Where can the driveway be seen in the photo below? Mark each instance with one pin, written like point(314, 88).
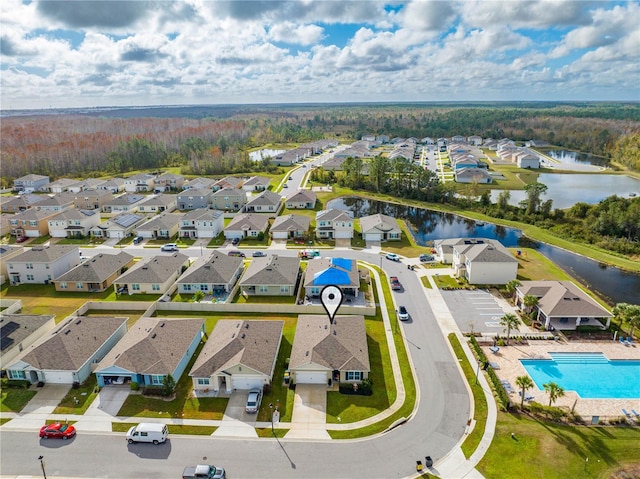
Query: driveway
point(236, 422)
point(309, 418)
point(47, 398)
point(109, 401)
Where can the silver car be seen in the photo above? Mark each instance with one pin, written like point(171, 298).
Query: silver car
point(253, 401)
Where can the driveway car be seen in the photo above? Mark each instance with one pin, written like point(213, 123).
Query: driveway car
point(259, 254)
point(137, 240)
point(253, 401)
point(21, 239)
point(235, 241)
point(57, 430)
point(403, 314)
point(169, 247)
point(393, 257)
point(426, 257)
point(285, 186)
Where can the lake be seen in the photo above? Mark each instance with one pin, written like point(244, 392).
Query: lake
point(574, 157)
point(568, 189)
point(616, 285)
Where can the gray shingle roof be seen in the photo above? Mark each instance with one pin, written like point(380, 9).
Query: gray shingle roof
point(379, 222)
point(563, 298)
point(161, 222)
point(186, 194)
point(96, 269)
point(492, 252)
point(333, 215)
point(248, 221)
point(15, 328)
point(266, 198)
point(44, 254)
point(217, 268)
point(73, 214)
point(302, 196)
point(163, 199)
point(340, 346)
point(154, 270)
point(201, 214)
point(230, 192)
point(31, 177)
point(153, 345)
point(126, 199)
point(33, 215)
point(257, 181)
point(250, 343)
point(72, 343)
point(272, 270)
point(291, 223)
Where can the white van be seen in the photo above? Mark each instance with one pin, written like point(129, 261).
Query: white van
point(148, 432)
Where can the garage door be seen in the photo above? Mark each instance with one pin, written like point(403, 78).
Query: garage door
point(342, 235)
point(311, 378)
point(58, 377)
point(247, 382)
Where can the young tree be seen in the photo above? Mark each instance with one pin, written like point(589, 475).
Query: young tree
point(510, 321)
point(168, 384)
point(555, 392)
point(534, 192)
point(198, 296)
point(512, 286)
point(503, 200)
point(524, 383)
point(530, 302)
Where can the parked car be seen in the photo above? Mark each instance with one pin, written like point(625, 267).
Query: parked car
point(285, 186)
point(259, 254)
point(253, 401)
point(236, 253)
point(203, 471)
point(169, 247)
point(235, 241)
point(147, 432)
point(426, 257)
point(57, 430)
point(290, 178)
point(393, 257)
point(395, 283)
point(137, 240)
point(21, 239)
point(403, 314)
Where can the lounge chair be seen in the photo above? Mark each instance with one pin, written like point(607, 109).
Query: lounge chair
point(494, 349)
point(635, 413)
point(626, 413)
point(623, 341)
point(629, 340)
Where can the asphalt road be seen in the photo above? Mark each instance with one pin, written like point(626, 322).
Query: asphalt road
point(435, 428)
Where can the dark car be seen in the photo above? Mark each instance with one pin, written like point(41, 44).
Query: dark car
point(235, 241)
point(137, 240)
point(57, 430)
point(21, 239)
point(236, 253)
point(259, 254)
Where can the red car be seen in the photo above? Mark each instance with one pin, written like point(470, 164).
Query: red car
point(57, 430)
point(21, 239)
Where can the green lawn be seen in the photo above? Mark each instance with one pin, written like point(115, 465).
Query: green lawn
point(77, 401)
point(15, 399)
point(425, 282)
point(445, 281)
point(39, 240)
point(86, 242)
point(542, 449)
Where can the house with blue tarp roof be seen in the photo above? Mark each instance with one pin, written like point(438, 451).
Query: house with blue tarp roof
point(342, 272)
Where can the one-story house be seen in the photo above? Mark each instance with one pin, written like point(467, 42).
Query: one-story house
point(239, 354)
point(471, 175)
point(158, 204)
point(211, 274)
point(265, 202)
point(342, 272)
point(150, 351)
point(256, 183)
point(96, 274)
point(301, 199)
point(127, 203)
point(73, 223)
point(67, 353)
point(380, 227)
point(118, 227)
point(271, 276)
point(563, 305)
point(154, 275)
point(324, 351)
point(19, 331)
point(247, 225)
point(290, 227)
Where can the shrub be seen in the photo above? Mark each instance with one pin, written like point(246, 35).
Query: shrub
point(134, 386)
point(16, 383)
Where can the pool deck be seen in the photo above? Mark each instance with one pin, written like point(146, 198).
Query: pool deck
point(508, 360)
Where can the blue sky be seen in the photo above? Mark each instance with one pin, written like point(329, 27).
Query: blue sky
point(63, 53)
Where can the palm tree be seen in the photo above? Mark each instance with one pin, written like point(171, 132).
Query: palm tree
point(511, 287)
point(524, 382)
point(628, 313)
point(530, 303)
point(554, 391)
point(510, 321)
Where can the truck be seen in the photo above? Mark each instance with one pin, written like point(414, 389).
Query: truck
point(308, 253)
point(203, 471)
point(395, 283)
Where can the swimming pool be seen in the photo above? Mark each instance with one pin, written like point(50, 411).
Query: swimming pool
point(591, 375)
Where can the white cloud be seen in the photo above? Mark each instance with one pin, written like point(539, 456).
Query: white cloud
point(289, 32)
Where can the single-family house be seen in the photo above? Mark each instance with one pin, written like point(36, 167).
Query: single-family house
point(158, 204)
point(301, 199)
point(42, 264)
point(162, 226)
point(527, 159)
point(95, 274)
point(201, 223)
point(168, 182)
point(271, 276)
point(227, 182)
point(471, 175)
point(193, 199)
point(127, 203)
point(325, 352)
point(265, 202)
point(214, 274)
point(247, 225)
point(139, 183)
point(85, 185)
point(199, 184)
point(92, 199)
point(31, 223)
point(341, 272)
point(7, 252)
point(118, 227)
point(19, 331)
point(152, 349)
point(55, 203)
point(154, 275)
point(474, 140)
point(290, 227)
point(239, 354)
point(483, 261)
point(334, 224)
point(16, 204)
point(380, 227)
point(30, 183)
point(67, 353)
point(73, 223)
point(5, 227)
point(256, 183)
point(114, 185)
point(562, 305)
point(61, 185)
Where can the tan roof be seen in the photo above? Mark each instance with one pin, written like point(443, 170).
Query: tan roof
point(266, 198)
point(291, 223)
point(250, 343)
point(154, 270)
point(378, 222)
point(493, 252)
point(44, 254)
point(153, 345)
point(339, 346)
point(302, 196)
point(248, 221)
point(563, 299)
point(97, 268)
point(217, 268)
point(272, 270)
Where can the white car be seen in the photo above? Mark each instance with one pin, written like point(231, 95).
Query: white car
point(403, 314)
point(393, 257)
point(169, 247)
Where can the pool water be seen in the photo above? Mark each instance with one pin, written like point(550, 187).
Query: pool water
point(590, 375)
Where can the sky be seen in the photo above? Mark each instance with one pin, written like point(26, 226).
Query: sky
point(66, 53)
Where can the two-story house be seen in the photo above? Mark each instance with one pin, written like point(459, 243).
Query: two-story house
point(228, 199)
point(139, 183)
point(201, 223)
point(192, 199)
point(73, 223)
point(92, 199)
point(31, 223)
point(55, 203)
point(334, 224)
point(168, 182)
point(42, 264)
point(31, 183)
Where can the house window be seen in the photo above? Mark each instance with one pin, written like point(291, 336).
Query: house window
point(186, 287)
point(29, 265)
point(46, 266)
point(284, 289)
point(135, 287)
point(155, 287)
point(16, 374)
point(204, 287)
point(33, 223)
point(157, 379)
point(264, 289)
point(79, 285)
point(30, 277)
point(203, 381)
point(354, 375)
point(63, 285)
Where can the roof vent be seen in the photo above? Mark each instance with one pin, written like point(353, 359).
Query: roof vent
point(78, 321)
point(246, 325)
point(307, 353)
point(162, 325)
point(243, 336)
point(153, 336)
point(67, 331)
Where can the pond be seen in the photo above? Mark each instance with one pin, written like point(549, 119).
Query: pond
point(568, 189)
point(575, 157)
point(259, 155)
point(616, 285)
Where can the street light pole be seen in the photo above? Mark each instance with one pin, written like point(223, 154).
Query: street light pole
point(41, 459)
point(477, 371)
point(271, 408)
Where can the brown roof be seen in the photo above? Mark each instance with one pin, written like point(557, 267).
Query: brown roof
point(153, 345)
point(250, 343)
point(562, 298)
point(339, 346)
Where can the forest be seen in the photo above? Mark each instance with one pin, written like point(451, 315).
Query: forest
point(216, 140)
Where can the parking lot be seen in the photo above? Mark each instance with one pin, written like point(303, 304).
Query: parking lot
point(476, 311)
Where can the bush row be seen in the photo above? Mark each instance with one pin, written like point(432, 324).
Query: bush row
point(503, 397)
